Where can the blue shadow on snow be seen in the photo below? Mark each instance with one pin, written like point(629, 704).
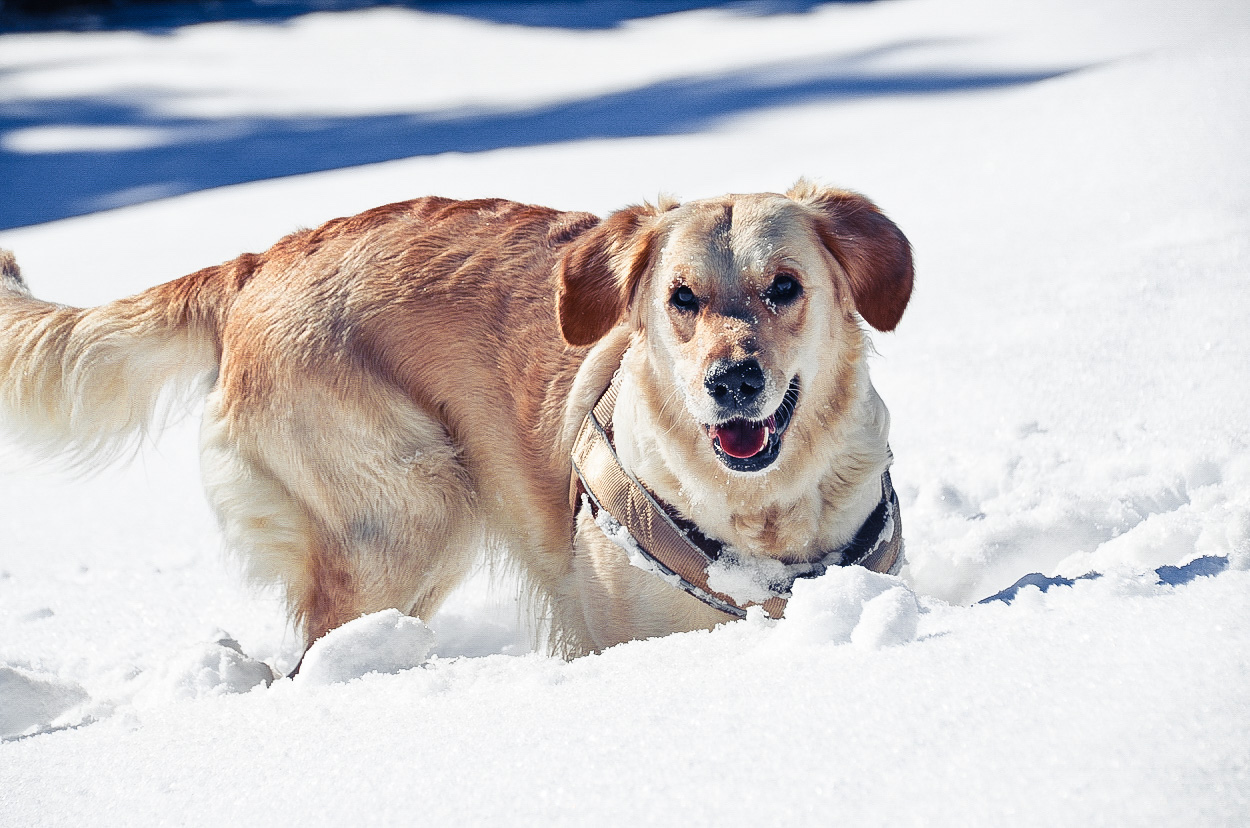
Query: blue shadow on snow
point(1168, 576)
point(179, 155)
point(156, 16)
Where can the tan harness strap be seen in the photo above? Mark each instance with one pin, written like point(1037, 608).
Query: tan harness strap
point(619, 493)
point(612, 489)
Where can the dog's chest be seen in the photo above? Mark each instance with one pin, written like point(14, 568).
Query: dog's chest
point(786, 532)
point(748, 519)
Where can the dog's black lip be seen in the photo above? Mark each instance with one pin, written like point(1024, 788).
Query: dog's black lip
point(768, 455)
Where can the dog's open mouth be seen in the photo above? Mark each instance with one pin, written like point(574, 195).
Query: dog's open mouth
point(752, 445)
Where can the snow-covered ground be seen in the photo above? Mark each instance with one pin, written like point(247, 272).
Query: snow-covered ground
point(1070, 393)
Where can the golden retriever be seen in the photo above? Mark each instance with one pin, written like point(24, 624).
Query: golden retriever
point(389, 393)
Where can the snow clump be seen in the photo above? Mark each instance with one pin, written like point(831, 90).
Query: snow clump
point(215, 668)
point(850, 605)
point(384, 642)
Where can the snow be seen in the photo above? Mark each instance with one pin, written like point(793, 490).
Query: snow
point(1067, 390)
point(851, 605)
point(747, 580)
point(383, 642)
point(33, 702)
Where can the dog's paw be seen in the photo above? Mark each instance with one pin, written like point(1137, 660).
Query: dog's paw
point(384, 642)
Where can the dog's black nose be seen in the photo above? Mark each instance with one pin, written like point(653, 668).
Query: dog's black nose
point(735, 385)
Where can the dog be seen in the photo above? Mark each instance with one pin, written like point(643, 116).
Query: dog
point(390, 393)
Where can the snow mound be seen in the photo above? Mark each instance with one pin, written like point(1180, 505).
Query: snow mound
point(215, 668)
point(887, 620)
point(384, 642)
point(850, 605)
point(32, 703)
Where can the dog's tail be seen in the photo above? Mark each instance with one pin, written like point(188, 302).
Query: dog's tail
point(90, 383)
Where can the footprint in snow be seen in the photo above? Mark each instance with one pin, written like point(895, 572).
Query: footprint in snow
point(33, 703)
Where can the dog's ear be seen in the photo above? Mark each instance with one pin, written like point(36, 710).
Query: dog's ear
point(870, 248)
point(599, 273)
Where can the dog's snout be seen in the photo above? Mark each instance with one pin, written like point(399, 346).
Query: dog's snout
point(736, 385)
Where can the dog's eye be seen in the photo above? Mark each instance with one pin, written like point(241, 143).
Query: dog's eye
point(683, 298)
point(784, 290)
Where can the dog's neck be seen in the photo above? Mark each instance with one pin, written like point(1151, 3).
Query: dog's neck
point(814, 498)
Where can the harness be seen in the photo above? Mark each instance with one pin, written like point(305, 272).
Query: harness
point(675, 548)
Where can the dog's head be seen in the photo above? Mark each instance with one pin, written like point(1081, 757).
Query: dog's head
point(749, 303)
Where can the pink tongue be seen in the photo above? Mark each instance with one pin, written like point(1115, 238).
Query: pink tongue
point(740, 438)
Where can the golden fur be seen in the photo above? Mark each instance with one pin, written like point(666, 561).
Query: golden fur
point(391, 391)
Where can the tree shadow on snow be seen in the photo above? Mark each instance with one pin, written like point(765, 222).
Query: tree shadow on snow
point(158, 16)
point(142, 153)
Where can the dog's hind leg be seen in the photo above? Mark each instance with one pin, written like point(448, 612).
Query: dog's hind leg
point(351, 502)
